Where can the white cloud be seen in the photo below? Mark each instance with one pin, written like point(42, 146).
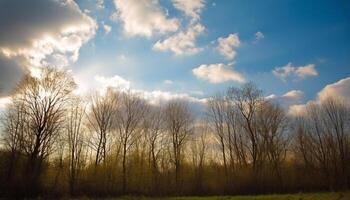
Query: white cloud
point(300, 72)
point(4, 101)
point(168, 82)
point(289, 100)
point(116, 82)
point(259, 36)
point(31, 37)
point(143, 17)
point(307, 70)
point(191, 8)
point(226, 46)
point(218, 73)
point(339, 89)
point(295, 95)
point(106, 28)
point(182, 43)
point(100, 4)
point(156, 96)
point(297, 110)
point(122, 57)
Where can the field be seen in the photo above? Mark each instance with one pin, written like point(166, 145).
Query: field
point(301, 196)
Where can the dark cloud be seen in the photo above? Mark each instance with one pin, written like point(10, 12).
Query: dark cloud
point(23, 22)
point(10, 74)
point(38, 33)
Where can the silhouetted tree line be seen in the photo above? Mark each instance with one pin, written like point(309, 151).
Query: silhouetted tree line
point(56, 143)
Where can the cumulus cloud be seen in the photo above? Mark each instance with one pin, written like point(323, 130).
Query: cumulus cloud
point(183, 42)
point(295, 95)
point(143, 17)
point(31, 37)
point(218, 73)
point(289, 99)
point(297, 110)
point(154, 97)
point(4, 101)
point(226, 46)
point(339, 90)
point(190, 8)
point(112, 82)
point(289, 71)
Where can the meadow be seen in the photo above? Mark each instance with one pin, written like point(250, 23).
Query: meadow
point(298, 196)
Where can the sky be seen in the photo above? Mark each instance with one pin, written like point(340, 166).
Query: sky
point(295, 51)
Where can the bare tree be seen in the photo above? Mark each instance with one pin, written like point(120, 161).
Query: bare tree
point(336, 116)
point(130, 117)
point(217, 108)
point(101, 117)
point(15, 126)
point(271, 123)
point(75, 140)
point(247, 100)
point(43, 101)
point(179, 124)
point(153, 127)
point(198, 149)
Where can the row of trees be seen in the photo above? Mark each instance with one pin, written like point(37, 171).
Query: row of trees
point(57, 143)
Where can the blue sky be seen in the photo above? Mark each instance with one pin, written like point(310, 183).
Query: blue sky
point(302, 46)
point(300, 32)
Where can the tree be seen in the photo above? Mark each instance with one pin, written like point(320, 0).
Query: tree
point(247, 100)
point(75, 140)
point(271, 124)
point(217, 108)
point(103, 110)
point(179, 124)
point(43, 100)
point(130, 116)
point(154, 128)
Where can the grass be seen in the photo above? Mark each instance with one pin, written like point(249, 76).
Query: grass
point(299, 196)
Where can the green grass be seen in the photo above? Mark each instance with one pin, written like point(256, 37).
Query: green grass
point(300, 196)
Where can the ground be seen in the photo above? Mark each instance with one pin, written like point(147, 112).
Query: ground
point(301, 196)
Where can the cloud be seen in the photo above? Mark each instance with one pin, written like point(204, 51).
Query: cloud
point(4, 101)
point(259, 36)
point(10, 74)
point(112, 82)
point(190, 8)
point(168, 82)
point(307, 70)
point(339, 89)
point(31, 37)
point(226, 46)
point(118, 83)
point(143, 18)
point(295, 95)
point(218, 73)
point(289, 99)
point(182, 43)
point(289, 71)
point(100, 4)
point(106, 28)
point(297, 110)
